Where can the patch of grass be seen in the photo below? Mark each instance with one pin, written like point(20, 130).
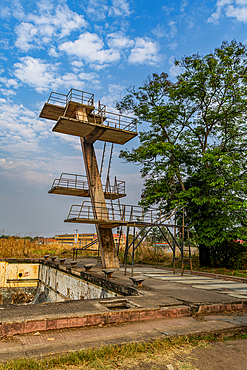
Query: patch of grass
point(112, 357)
point(213, 270)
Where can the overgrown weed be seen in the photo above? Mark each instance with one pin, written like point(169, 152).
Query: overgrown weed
point(14, 247)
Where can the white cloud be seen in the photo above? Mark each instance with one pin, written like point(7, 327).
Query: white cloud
point(90, 46)
point(160, 30)
point(6, 165)
point(119, 41)
point(97, 9)
point(7, 86)
point(26, 33)
point(51, 23)
point(23, 170)
point(43, 76)
point(8, 92)
point(40, 178)
point(115, 92)
point(53, 53)
point(144, 51)
point(183, 6)
point(12, 8)
point(173, 45)
point(20, 128)
point(35, 73)
point(167, 9)
point(173, 29)
point(77, 63)
point(119, 8)
point(240, 13)
point(231, 8)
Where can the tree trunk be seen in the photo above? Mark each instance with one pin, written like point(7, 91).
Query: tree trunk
point(204, 256)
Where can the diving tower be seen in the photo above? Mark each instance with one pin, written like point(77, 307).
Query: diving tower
point(76, 114)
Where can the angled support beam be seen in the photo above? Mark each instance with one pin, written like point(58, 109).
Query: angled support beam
point(95, 134)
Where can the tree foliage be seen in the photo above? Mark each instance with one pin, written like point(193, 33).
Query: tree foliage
point(194, 151)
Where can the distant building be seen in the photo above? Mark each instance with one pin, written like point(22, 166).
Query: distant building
point(46, 240)
point(76, 238)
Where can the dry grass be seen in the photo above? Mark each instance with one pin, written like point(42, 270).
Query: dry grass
point(149, 355)
point(24, 248)
point(148, 255)
point(128, 356)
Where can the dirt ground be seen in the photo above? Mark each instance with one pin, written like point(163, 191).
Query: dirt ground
point(227, 355)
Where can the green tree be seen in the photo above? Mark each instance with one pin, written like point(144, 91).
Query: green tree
point(194, 150)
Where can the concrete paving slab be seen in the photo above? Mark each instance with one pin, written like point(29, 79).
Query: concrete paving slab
point(220, 286)
point(144, 269)
point(178, 278)
point(237, 320)
point(218, 281)
point(193, 281)
point(231, 285)
point(235, 291)
point(199, 296)
point(235, 295)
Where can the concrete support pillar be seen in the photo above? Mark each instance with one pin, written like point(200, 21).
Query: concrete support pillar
point(105, 236)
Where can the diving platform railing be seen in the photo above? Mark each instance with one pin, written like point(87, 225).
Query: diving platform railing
point(73, 184)
point(113, 214)
point(86, 247)
point(77, 96)
point(77, 115)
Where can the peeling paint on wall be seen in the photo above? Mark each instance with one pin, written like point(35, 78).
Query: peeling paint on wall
point(63, 286)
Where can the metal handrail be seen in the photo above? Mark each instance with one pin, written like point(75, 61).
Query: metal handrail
point(120, 121)
point(57, 98)
point(80, 182)
point(115, 212)
point(80, 96)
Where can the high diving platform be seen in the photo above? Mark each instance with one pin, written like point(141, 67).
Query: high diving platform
point(111, 215)
point(77, 115)
point(77, 185)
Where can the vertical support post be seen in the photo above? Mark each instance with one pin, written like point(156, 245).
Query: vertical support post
point(174, 249)
point(182, 245)
point(119, 239)
point(188, 234)
point(105, 236)
point(133, 251)
point(126, 250)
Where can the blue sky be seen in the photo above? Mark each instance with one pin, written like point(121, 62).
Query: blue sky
point(98, 46)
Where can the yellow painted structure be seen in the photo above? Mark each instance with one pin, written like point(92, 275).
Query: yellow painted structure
point(18, 275)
